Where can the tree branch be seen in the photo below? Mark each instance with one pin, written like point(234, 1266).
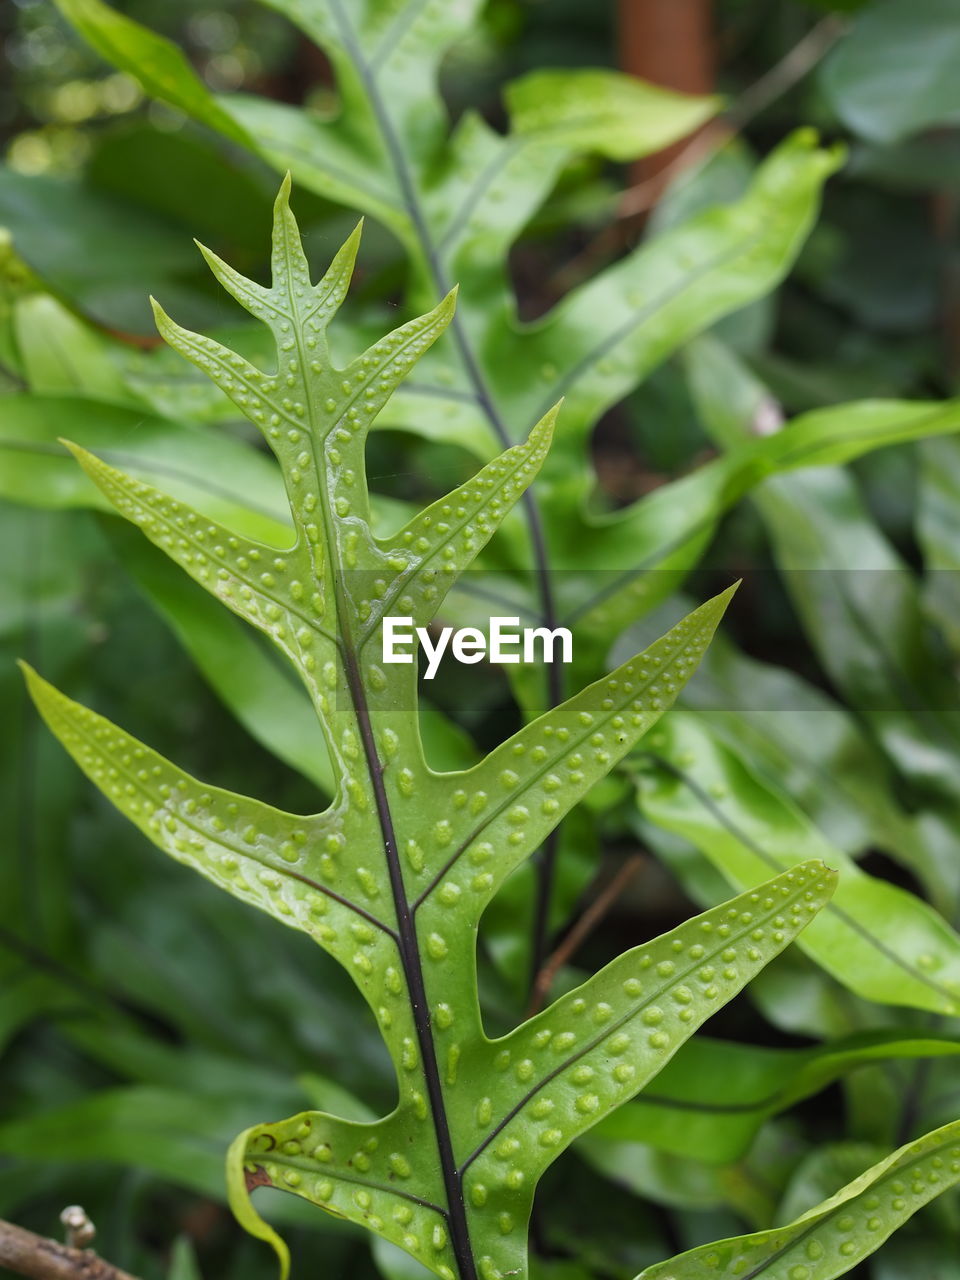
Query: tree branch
point(39, 1258)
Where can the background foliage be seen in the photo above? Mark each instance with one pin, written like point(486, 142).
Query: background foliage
point(828, 708)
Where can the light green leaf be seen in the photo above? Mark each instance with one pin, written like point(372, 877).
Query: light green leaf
point(228, 481)
point(393, 876)
point(860, 604)
point(879, 940)
point(61, 355)
point(834, 1237)
point(616, 115)
point(158, 64)
point(183, 1261)
point(457, 200)
point(709, 1103)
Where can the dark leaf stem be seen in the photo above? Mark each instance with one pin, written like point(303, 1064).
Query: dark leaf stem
point(546, 862)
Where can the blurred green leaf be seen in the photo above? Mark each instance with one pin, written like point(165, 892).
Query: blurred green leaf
point(183, 1261)
point(711, 1100)
point(60, 355)
point(224, 478)
point(619, 116)
point(180, 1136)
point(158, 63)
point(163, 172)
point(861, 606)
point(895, 73)
point(938, 533)
point(106, 256)
point(798, 737)
point(882, 942)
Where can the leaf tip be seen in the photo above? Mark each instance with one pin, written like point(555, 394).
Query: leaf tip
point(543, 431)
point(77, 450)
point(351, 247)
point(238, 1194)
point(209, 257)
point(448, 304)
point(343, 265)
point(38, 688)
point(831, 875)
point(26, 670)
point(719, 604)
point(166, 326)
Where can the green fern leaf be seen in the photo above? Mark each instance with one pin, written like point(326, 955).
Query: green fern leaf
point(837, 1235)
point(393, 877)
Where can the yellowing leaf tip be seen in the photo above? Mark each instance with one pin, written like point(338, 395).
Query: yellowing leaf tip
point(242, 1206)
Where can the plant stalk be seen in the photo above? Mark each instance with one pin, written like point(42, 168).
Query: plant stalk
point(40, 1258)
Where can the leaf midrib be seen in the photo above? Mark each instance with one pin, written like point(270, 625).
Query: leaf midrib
point(528, 502)
point(406, 933)
point(837, 1208)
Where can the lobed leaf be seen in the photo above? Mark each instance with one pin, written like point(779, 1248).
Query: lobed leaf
point(248, 848)
point(516, 1103)
point(393, 876)
point(867, 79)
point(458, 199)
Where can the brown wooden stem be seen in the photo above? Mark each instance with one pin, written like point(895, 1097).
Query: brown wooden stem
point(585, 925)
point(670, 43)
point(39, 1258)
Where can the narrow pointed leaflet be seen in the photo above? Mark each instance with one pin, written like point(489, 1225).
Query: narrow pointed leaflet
point(393, 877)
